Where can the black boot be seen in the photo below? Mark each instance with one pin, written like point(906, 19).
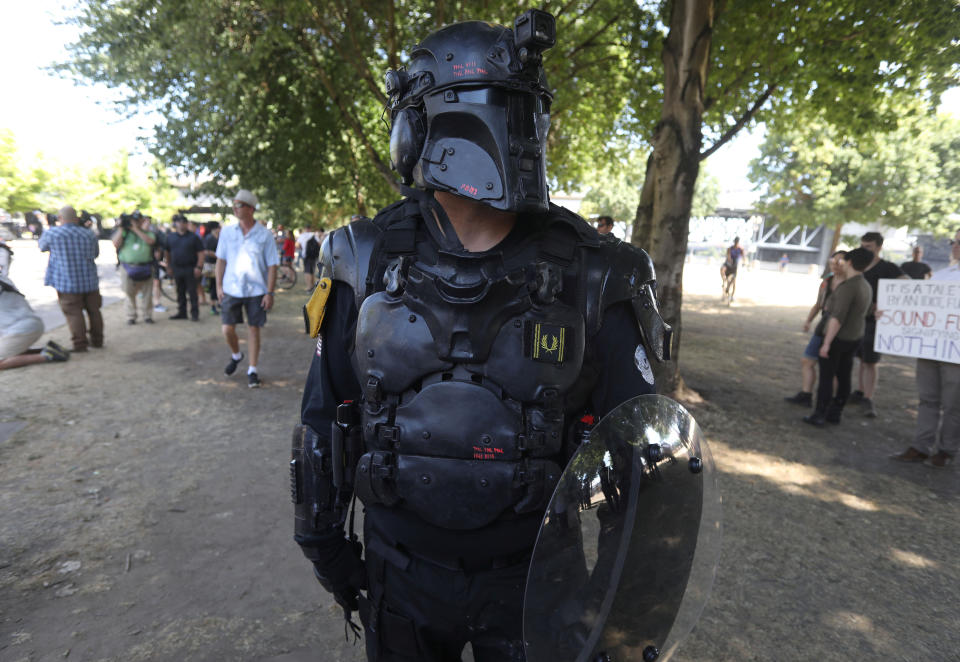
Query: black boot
point(834, 411)
point(816, 418)
point(801, 398)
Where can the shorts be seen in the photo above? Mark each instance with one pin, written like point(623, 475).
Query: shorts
point(231, 310)
point(309, 265)
point(812, 350)
point(17, 343)
point(865, 351)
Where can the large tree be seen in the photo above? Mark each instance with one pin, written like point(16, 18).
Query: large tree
point(286, 96)
point(815, 173)
point(728, 65)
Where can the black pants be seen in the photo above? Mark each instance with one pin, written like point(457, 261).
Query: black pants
point(187, 285)
point(212, 288)
point(839, 364)
point(418, 611)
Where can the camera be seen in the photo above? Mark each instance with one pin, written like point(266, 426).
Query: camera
point(536, 31)
point(126, 220)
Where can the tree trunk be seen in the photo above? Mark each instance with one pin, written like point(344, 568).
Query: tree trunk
point(836, 239)
point(663, 215)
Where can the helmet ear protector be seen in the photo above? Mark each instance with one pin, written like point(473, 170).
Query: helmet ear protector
point(408, 124)
point(407, 136)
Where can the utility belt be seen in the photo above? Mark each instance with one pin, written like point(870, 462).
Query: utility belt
point(400, 556)
point(455, 494)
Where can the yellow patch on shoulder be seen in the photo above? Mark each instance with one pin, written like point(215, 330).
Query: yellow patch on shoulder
point(316, 307)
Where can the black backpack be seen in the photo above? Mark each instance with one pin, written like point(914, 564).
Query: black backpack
point(313, 249)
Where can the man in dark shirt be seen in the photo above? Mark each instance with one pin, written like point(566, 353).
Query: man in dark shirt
point(210, 263)
point(869, 358)
point(916, 268)
point(185, 256)
point(844, 329)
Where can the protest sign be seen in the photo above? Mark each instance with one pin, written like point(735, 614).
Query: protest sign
point(920, 318)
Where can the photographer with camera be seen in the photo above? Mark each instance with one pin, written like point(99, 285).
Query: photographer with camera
point(134, 243)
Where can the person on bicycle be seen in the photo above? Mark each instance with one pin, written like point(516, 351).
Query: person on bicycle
point(731, 262)
point(288, 249)
point(734, 257)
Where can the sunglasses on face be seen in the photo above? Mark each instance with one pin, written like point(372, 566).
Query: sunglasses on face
point(237, 205)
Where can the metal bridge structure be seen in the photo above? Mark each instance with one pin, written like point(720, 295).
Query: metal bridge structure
point(761, 237)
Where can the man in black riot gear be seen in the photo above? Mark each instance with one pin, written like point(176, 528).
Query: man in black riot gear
point(465, 338)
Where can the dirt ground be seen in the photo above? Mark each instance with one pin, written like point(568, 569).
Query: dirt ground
point(146, 511)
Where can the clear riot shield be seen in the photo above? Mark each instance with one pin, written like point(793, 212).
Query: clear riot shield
point(628, 548)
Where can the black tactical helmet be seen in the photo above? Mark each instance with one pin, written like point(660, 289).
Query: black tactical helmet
point(470, 113)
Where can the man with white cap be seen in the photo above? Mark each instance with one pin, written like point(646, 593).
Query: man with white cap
point(246, 272)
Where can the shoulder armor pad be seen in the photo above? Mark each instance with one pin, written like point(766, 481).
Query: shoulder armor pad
point(586, 233)
point(349, 254)
point(618, 271)
point(346, 254)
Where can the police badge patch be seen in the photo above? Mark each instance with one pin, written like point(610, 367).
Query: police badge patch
point(546, 342)
point(643, 364)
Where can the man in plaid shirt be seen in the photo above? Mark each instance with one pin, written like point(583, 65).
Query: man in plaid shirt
point(72, 272)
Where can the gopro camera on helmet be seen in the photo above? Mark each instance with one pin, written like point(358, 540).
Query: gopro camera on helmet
point(536, 31)
point(470, 113)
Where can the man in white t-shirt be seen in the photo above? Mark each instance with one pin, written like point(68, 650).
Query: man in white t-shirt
point(246, 270)
point(938, 386)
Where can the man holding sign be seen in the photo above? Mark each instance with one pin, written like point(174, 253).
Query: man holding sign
point(938, 382)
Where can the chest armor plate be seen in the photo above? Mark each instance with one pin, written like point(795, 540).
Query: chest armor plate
point(467, 368)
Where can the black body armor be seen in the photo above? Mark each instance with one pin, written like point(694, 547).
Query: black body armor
point(473, 366)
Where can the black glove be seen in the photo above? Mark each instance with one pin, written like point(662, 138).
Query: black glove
point(341, 572)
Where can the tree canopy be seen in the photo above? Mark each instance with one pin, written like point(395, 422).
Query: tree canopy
point(108, 188)
point(21, 188)
point(286, 96)
point(816, 173)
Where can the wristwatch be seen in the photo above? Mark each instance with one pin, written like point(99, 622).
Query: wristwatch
point(270, 293)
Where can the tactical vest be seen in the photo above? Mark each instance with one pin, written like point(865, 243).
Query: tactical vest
point(475, 366)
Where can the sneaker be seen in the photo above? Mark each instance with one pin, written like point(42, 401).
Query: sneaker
point(58, 347)
point(869, 409)
point(131, 322)
point(232, 366)
point(801, 398)
point(214, 310)
point(51, 354)
point(149, 320)
point(940, 460)
point(178, 317)
point(159, 308)
point(910, 455)
point(855, 397)
point(253, 380)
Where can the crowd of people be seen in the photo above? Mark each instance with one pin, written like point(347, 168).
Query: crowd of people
point(232, 269)
point(847, 305)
